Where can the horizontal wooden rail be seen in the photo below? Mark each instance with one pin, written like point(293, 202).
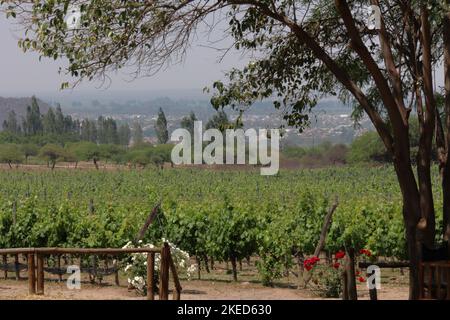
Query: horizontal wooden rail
point(96, 251)
point(36, 267)
point(384, 265)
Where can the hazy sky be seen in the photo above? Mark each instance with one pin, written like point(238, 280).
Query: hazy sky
point(23, 74)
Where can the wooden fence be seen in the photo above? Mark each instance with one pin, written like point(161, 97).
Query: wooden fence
point(35, 266)
point(434, 280)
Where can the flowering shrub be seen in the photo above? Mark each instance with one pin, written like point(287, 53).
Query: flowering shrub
point(326, 282)
point(327, 279)
point(339, 255)
point(136, 265)
point(310, 263)
point(365, 252)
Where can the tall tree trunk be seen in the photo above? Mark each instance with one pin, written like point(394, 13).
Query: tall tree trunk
point(411, 217)
point(428, 125)
point(424, 178)
point(234, 266)
point(351, 275)
point(446, 165)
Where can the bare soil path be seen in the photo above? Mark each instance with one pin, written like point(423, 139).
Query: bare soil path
point(192, 290)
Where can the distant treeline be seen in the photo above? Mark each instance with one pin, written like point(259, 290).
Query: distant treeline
point(74, 152)
point(364, 149)
point(55, 127)
point(53, 138)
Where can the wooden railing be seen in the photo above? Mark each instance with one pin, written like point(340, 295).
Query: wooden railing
point(434, 280)
point(35, 266)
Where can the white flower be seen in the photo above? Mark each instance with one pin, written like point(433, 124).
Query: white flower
point(128, 245)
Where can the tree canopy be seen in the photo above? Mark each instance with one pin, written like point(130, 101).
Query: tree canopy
point(305, 50)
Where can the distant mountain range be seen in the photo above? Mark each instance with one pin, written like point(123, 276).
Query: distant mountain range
point(19, 105)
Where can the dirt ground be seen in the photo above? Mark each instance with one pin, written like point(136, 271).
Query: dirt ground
point(192, 290)
point(284, 164)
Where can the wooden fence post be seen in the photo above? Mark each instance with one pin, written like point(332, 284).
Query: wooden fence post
point(421, 281)
point(116, 272)
point(16, 267)
point(372, 291)
point(40, 274)
point(59, 268)
point(150, 276)
point(16, 256)
point(164, 273)
point(5, 264)
point(31, 274)
point(177, 289)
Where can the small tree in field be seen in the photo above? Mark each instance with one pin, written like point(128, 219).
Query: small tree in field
point(29, 150)
point(306, 50)
point(87, 151)
point(10, 154)
point(52, 153)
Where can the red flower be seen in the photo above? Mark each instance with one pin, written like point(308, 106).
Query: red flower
point(340, 255)
point(365, 252)
point(309, 263)
point(358, 273)
point(336, 265)
point(361, 279)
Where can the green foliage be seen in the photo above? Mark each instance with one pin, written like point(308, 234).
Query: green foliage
point(188, 123)
point(326, 281)
point(29, 150)
point(137, 133)
point(321, 155)
point(11, 154)
point(366, 148)
point(52, 153)
point(223, 216)
point(145, 154)
point(162, 134)
point(86, 151)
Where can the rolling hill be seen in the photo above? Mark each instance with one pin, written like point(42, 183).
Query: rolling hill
point(19, 105)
